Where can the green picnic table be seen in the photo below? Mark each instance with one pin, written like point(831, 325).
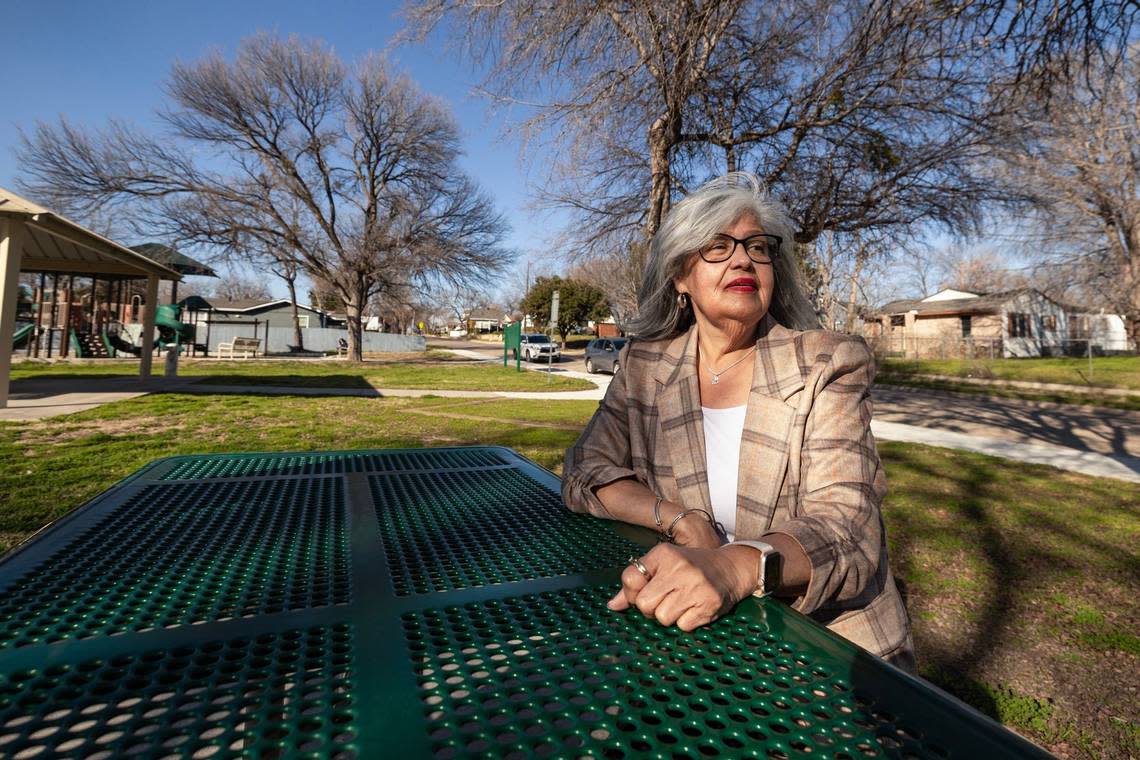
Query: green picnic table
point(411, 603)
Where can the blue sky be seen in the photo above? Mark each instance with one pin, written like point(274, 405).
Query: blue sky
point(92, 61)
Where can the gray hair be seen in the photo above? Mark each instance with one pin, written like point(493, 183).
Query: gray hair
point(691, 223)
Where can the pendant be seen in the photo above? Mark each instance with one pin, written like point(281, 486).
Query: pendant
point(716, 379)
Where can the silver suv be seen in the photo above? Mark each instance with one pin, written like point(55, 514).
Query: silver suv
point(538, 346)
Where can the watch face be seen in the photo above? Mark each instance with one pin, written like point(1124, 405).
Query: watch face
point(771, 562)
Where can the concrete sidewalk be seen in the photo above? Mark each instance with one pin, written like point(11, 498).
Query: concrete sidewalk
point(52, 397)
point(1061, 457)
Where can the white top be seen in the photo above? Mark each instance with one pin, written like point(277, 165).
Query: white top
point(723, 428)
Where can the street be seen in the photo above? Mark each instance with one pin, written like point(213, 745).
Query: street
point(572, 359)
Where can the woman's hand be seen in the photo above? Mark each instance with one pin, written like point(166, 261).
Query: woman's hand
point(687, 587)
point(695, 532)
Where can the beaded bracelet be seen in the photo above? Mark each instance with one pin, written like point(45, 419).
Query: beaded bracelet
point(669, 533)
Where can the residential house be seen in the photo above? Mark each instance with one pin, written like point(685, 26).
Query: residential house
point(485, 320)
point(604, 328)
point(272, 313)
point(1098, 333)
point(956, 323)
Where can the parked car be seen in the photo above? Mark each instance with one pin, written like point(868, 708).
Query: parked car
point(538, 346)
point(602, 354)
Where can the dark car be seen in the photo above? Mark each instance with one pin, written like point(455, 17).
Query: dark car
point(602, 354)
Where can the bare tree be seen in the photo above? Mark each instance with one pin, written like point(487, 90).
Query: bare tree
point(1054, 42)
point(867, 117)
point(922, 268)
point(352, 171)
point(236, 287)
point(608, 69)
point(1081, 158)
point(839, 266)
point(861, 113)
point(979, 270)
point(617, 273)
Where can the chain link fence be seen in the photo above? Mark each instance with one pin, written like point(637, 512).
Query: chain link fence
point(950, 347)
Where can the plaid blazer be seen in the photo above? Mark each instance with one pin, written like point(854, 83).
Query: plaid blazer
point(808, 464)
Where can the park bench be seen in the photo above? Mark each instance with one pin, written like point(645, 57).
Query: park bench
point(247, 347)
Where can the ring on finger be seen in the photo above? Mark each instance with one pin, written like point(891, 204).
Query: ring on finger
point(641, 568)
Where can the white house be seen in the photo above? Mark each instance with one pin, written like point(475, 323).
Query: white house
point(1106, 333)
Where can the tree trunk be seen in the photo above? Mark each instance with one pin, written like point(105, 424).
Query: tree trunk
point(663, 135)
point(298, 336)
point(827, 298)
point(355, 331)
point(852, 295)
point(1132, 313)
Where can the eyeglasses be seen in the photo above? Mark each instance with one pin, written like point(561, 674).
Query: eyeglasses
point(760, 248)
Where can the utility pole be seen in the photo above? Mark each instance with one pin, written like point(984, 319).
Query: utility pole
point(527, 291)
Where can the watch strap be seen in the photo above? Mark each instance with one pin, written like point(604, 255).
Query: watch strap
point(766, 550)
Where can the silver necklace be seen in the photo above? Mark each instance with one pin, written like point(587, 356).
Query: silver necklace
point(716, 375)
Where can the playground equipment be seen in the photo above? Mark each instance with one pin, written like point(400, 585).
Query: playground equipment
point(22, 335)
point(171, 330)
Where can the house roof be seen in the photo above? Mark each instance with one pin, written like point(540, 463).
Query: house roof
point(54, 243)
point(199, 303)
point(492, 314)
point(988, 303)
point(179, 262)
point(195, 303)
point(247, 304)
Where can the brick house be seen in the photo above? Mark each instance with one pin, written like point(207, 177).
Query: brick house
point(960, 324)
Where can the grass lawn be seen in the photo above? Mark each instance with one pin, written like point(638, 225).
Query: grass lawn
point(1021, 580)
point(1089, 398)
point(1107, 371)
point(401, 371)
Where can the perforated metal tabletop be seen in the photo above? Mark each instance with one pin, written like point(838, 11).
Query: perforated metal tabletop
point(411, 603)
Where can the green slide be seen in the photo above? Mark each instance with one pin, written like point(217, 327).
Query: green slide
point(22, 335)
point(172, 331)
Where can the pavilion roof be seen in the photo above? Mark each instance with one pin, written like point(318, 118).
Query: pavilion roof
point(54, 243)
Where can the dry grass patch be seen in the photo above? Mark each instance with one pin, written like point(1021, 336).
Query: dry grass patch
point(45, 432)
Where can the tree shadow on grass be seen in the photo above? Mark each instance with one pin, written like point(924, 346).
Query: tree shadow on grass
point(44, 387)
point(289, 381)
point(1018, 534)
point(1113, 432)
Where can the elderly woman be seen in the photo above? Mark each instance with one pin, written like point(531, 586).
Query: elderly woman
point(741, 434)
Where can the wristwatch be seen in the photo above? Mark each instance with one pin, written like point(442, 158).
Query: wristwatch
point(768, 576)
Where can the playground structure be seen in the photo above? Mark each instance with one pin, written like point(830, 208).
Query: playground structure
point(92, 318)
point(39, 246)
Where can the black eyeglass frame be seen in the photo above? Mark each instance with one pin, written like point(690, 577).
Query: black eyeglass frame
point(773, 251)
